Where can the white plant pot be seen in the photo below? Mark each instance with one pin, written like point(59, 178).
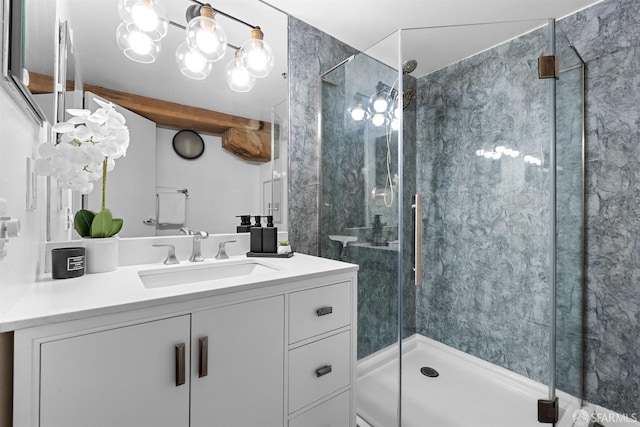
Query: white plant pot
point(284, 249)
point(101, 254)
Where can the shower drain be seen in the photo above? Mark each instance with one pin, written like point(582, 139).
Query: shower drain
point(429, 372)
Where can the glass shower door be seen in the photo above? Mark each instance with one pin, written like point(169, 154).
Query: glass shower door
point(360, 216)
point(481, 350)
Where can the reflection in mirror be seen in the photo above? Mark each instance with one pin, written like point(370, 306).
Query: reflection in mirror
point(227, 180)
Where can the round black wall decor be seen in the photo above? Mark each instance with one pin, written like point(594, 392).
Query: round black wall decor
point(188, 144)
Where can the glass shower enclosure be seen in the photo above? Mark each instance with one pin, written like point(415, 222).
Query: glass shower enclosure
point(440, 180)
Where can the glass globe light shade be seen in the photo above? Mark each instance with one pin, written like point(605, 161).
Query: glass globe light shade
point(137, 44)
point(192, 63)
point(150, 16)
point(238, 77)
point(256, 55)
point(395, 124)
point(205, 35)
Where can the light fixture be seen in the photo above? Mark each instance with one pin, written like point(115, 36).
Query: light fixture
point(150, 16)
point(145, 23)
point(238, 76)
point(137, 44)
point(207, 36)
point(256, 55)
point(192, 63)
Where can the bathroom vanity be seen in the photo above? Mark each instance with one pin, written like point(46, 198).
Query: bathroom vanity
point(240, 342)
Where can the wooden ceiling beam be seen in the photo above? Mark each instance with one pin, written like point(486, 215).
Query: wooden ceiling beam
point(164, 113)
point(178, 116)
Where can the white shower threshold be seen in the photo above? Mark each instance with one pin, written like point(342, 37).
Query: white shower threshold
point(468, 392)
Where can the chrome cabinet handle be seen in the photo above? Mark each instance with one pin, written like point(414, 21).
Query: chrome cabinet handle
point(418, 239)
point(180, 364)
point(324, 311)
point(203, 344)
point(320, 372)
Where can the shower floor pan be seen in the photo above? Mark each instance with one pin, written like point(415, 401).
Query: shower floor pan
point(467, 392)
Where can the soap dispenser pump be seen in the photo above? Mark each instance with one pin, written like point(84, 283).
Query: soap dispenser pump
point(245, 224)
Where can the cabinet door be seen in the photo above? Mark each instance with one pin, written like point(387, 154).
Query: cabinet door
point(244, 385)
point(117, 378)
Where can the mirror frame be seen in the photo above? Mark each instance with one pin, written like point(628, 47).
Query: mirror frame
point(13, 57)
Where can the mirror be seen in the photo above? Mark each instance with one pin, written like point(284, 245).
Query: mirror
point(219, 184)
point(17, 21)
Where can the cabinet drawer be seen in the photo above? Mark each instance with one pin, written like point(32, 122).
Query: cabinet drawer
point(315, 311)
point(318, 369)
point(332, 413)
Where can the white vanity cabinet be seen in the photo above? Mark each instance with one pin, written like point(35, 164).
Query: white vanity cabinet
point(273, 356)
point(122, 376)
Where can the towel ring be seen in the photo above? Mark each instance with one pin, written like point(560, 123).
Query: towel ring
point(188, 144)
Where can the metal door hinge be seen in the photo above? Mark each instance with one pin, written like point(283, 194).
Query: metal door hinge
point(548, 67)
point(548, 411)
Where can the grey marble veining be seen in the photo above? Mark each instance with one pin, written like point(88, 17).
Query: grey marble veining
point(311, 52)
point(485, 220)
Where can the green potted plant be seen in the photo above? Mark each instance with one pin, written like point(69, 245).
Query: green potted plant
point(88, 146)
point(284, 247)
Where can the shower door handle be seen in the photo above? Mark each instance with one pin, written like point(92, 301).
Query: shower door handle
point(417, 266)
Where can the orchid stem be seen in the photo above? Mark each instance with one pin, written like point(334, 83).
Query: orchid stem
point(104, 182)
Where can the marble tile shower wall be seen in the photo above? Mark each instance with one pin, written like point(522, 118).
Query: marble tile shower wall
point(607, 36)
point(485, 221)
point(311, 52)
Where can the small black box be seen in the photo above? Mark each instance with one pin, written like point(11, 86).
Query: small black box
point(67, 262)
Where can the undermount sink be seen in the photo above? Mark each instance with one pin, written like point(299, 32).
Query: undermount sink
point(159, 278)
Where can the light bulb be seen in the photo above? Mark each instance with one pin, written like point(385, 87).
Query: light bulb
point(192, 63)
point(150, 16)
point(397, 112)
point(144, 16)
point(256, 55)
point(238, 77)
point(395, 124)
point(137, 44)
point(380, 104)
point(204, 34)
point(357, 112)
point(140, 42)
point(378, 119)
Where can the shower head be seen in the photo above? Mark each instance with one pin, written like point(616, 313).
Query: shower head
point(409, 65)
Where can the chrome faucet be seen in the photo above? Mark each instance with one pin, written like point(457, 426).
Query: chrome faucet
point(222, 253)
point(196, 254)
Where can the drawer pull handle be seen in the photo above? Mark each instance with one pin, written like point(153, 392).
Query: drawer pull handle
point(203, 344)
point(324, 311)
point(320, 372)
point(180, 364)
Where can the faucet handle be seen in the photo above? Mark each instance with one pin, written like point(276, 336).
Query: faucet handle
point(171, 256)
point(222, 252)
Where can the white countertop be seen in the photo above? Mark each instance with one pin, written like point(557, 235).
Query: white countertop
point(50, 301)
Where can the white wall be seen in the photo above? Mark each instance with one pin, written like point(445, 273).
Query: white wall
point(19, 138)
point(220, 184)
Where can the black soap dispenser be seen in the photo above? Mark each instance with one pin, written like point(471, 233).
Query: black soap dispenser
point(256, 235)
point(245, 224)
point(270, 237)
